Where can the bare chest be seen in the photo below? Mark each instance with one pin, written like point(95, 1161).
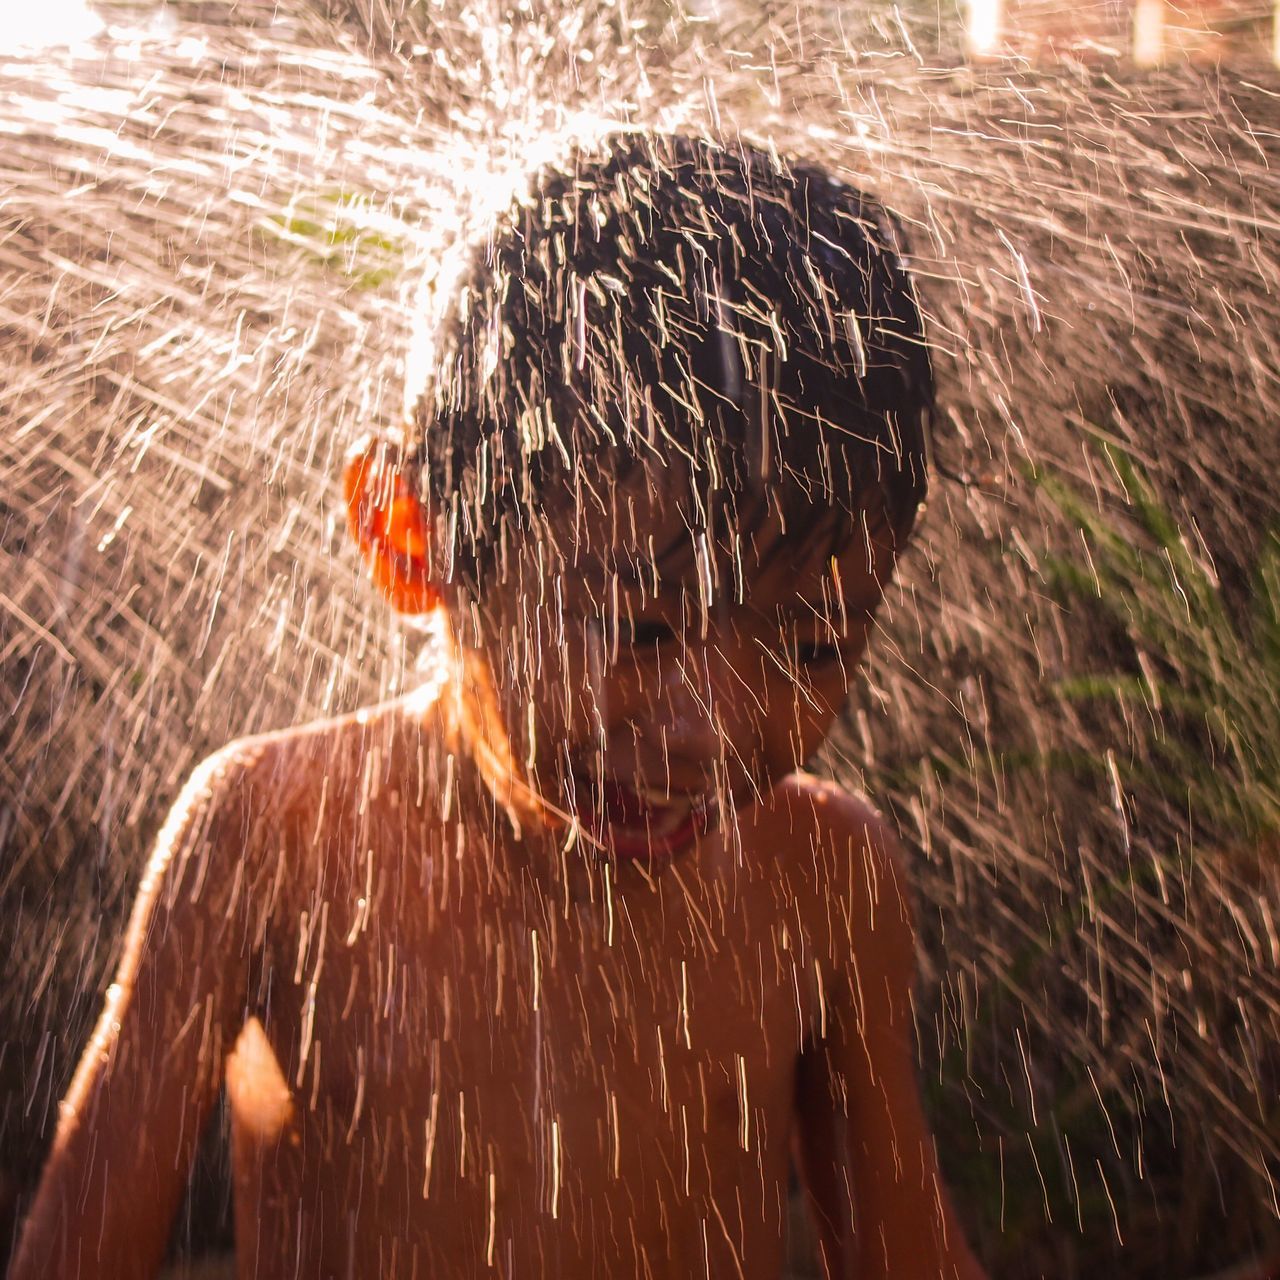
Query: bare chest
point(469, 1064)
point(382, 1001)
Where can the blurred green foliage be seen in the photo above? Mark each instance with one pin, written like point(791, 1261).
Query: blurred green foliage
point(1062, 1156)
point(339, 232)
point(1205, 674)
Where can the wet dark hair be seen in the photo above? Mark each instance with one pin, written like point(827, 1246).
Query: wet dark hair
point(662, 300)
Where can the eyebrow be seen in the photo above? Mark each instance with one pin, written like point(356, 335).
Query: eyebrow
point(642, 574)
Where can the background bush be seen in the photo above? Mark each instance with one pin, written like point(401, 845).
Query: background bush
point(210, 231)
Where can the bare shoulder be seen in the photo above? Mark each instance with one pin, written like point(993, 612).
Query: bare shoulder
point(858, 866)
point(286, 770)
point(835, 807)
point(235, 848)
point(844, 823)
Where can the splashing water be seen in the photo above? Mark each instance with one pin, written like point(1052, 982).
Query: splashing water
point(66, 23)
point(208, 266)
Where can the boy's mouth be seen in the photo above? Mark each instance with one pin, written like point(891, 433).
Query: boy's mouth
point(635, 825)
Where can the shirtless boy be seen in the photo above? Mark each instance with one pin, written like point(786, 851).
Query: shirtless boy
point(550, 968)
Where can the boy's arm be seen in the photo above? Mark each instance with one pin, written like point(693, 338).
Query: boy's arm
point(866, 1154)
point(128, 1127)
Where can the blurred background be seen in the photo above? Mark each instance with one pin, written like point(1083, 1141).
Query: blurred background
point(212, 218)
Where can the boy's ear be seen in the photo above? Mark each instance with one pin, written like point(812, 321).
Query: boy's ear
point(390, 526)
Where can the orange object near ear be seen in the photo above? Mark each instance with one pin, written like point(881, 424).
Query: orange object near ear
point(406, 529)
point(390, 527)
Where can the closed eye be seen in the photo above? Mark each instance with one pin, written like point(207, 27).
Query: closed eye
point(817, 655)
point(643, 633)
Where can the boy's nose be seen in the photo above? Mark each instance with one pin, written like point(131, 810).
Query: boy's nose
point(672, 724)
point(691, 727)
point(687, 709)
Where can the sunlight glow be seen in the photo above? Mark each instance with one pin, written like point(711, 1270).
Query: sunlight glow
point(983, 26)
point(1148, 32)
point(39, 26)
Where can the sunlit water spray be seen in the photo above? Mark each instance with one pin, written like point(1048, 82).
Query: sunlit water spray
point(30, 28)
point(208, 265)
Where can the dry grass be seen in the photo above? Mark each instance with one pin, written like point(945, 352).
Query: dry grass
point(191, 337)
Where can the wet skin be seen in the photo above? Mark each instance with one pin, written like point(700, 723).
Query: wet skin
point(459, 1048)
point(547, 1074)
point(700, 683)
point(552, 1062)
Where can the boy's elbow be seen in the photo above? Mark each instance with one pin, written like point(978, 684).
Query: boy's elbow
point(144, 1084)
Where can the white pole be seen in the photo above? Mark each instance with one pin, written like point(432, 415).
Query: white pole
point(1148, 32)
point(983, 27)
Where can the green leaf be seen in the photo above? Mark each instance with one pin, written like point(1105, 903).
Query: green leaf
point(1265, 619)
point(339, 231)
point(1217, 751)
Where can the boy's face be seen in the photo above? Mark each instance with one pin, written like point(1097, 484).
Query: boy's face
point(654, 714)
